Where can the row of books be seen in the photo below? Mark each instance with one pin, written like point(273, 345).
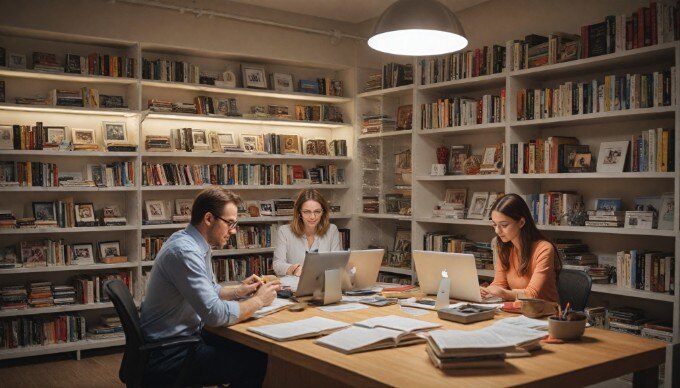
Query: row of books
point(250, 237)
point(173, 71)
point(318, 113)
point(646, 270)
point(44, 330)
point(29, 174)
point(552, 208)
point(169, 174)
point(615, 92)
point(37, 137)
point(238, 268)
point(631, 320)
point(90, 288)
point(457, 111)
point(460, 65)
point(537, 50)
point(96, 64)
point(653, 150)
point(395, 74)
point(58, 252)
point(377, 123)
point(385, 277)
point(151, 245)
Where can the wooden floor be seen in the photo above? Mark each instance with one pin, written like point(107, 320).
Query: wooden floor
point(94, 369)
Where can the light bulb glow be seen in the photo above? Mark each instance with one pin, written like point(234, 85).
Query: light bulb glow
point(417, 42)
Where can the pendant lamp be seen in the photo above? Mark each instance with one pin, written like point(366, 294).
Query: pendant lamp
point(417, 28)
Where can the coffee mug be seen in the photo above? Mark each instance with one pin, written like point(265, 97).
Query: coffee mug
point(533, 308)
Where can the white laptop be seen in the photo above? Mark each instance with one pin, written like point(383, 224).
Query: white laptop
point(363, 267)
point(461, 270)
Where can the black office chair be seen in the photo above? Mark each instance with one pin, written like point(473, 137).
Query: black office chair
point(136, 349)
point(574, 287)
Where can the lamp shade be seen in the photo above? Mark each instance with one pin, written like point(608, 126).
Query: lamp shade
point(418, 28)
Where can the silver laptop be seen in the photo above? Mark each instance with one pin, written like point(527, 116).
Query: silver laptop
point(366, 265)
point(461, 270)
point(315, 265)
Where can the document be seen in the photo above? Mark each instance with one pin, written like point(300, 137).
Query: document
point(277, 305)
point(356, 339)
point(305, 328)
point(522, 321)
point(395, 322)
point(342, 307)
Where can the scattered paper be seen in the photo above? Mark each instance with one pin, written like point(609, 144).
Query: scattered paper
point(413, 311)
point(343, 307)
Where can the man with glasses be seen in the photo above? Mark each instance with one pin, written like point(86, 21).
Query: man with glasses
point(182, 297)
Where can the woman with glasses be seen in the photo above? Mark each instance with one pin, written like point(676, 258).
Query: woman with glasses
point(310, 230)
point(527, 265)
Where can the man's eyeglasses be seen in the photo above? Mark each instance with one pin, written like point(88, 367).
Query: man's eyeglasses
point(309, 213)
point(230, 224)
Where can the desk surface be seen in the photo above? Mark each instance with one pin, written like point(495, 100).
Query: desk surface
point(600, 355)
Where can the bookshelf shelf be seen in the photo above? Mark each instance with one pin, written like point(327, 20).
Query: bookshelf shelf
point(465, 84)
point(237, 252)
point(241, 155)
point(241, 220)
point(429, 178)
point(65, 189)
point(223, 119)
point(482, 128)
point(398, 91)
point(603, 230)
point(453, 221)
point(245, 92)
point(383, 216)
point(75, 154)
point(613, 289)
point(600, 117)
point(84, 229)
point(386, 134)
point(67, 268)
point(60, 348)
point(41, 75)
point(68, 110)
point(55, 309)
point(401, 271)
point(245, 187)
point(598, 175)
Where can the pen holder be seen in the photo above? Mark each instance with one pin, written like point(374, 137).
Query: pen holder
point(566, 330)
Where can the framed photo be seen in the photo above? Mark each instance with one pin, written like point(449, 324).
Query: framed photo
point(214, 142)
point(291, 144)
point(279, 111)
point(608, 204)
point(16, 61)
point(478, 205)
point(84, 214)
point(667, 211)
point(570, 152)
point(612, 156)
point(266, 208)
point(83, 254)
point(200, 139)
point(404, 117)
point(249, 143)
point(253, 208)
point(639, 220)
point(6, 137)
point(227, 140)
point(109, 249)
point(283, 82)
point(648, 204)
point(457, 197)
point(310, 147)
point(321, 147)
point(183, 206)
point(55, 135)
point(111, 211)
point(493, 197)
point(254, 77)
point(114, 132)
point(489, 157)
point(83, 136)
point(582, 163)
point(457, 157)
point(96, 173)
point(155, 210)
point(44, 211)
point(221, 106)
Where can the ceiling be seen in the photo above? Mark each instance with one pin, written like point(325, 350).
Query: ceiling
point(350, 11)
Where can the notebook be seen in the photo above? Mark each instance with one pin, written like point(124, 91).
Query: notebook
point(305, 328)
point(395, 322)
point(277, 305)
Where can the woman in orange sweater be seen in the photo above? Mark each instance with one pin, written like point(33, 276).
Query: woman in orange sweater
point(528, 264)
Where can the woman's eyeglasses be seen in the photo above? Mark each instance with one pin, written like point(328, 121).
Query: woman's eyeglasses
point(309, 213)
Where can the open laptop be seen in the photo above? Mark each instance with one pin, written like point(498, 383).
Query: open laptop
point(366, 264)
point(315, 265)
point(461, 270)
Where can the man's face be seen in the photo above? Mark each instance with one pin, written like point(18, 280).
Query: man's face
point(220, 229)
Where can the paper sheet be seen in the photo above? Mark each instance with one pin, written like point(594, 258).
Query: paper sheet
point(343, 307)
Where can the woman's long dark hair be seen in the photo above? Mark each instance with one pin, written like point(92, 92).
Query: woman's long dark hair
point(513, 206)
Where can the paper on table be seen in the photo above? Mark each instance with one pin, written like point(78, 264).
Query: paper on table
point(413, 311)
point(343, 307)
point(356, 339)
point(276, 305)
point(398, 323)
point(309, 327)
point(290, 281)
point(523, 321)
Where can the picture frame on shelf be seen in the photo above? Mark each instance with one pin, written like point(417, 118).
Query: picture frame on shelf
point(457, 197)
point(489, 159)
point(227, 140)
point(581, 163)
point(278, 111)
point(109, 249)
point(291, 144)
point(44, 211)
point(33, 254)
point(228, 79)
point(321, 147)
point(569, 155)
point(493, 197)
point(254, 76)
point(249, 143)
point(83, 136)
point(16, 61)
point(478, 205)
point(155, 210)
point(310, 147)
point(199, 138)
point(111, 211)
point(221, 106)
point(214, 142)
point(404, 118)
point(6, 137)
point(96, 173)
point(612, 156)
point(667, 211)
point(253, 208)
point(183, 206)
point(55, 134)
point(639, 220)
point(83, 254)
point(457, 157)
point(609, 204)
point(267, 208)
point(648, 203)
point(84, 213)
point(115, 132)
point(283, 82)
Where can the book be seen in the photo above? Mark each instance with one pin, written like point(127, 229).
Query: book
point(357, 339)
point(277, 305)
point(406, 325)
point(305, 328)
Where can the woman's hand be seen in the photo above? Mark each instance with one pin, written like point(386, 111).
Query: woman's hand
point(298, 271)
point(497, 291)
point(292, 269)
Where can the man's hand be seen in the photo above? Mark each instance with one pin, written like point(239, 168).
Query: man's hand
point(248, 286)
point(267, 293)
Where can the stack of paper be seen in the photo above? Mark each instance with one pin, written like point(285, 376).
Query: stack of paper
point(277, 305)
point(305, 328)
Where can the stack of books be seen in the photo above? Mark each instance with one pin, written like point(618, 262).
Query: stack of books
point(63, 294)
point(374, 82)
point(156, 105)
point(13, 298)
point(157, 143)
point(605, 218)
point(626, 320)
point(371, 204)
point(26, 222)
point(46, 62)
point(40, 294)
point(184, 107)
point(109, 327)
point(67, 97)
point(376, 123)
point(7, 220)
point(657, 330)
point(37, 100)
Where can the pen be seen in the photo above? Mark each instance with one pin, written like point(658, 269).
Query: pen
point(566, 309)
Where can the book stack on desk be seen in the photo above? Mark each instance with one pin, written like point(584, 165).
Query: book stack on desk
point(304, 328)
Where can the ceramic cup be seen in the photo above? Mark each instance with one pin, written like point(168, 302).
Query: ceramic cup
point(566, 330)
point(533, 308)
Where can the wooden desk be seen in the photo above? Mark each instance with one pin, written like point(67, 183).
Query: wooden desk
point(599, 356)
